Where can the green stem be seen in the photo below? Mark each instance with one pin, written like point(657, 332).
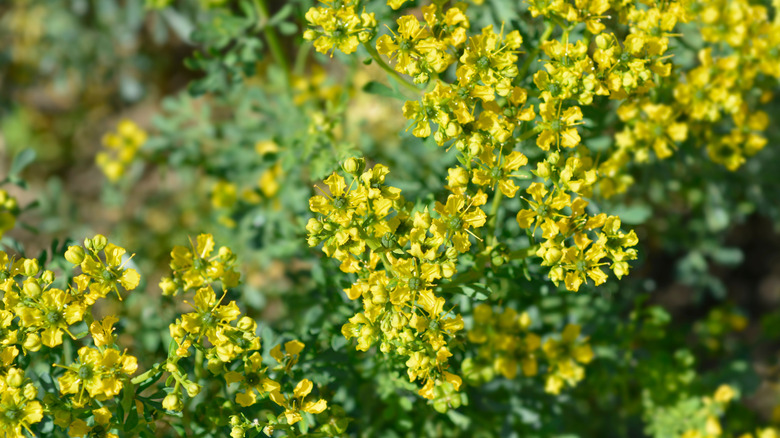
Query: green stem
point(300, 59)
point(67, 352)
point(548, 29)
point(387, 264)
point(198, 364)
point(270, 35)
point(393, 74)
point(530, 133)
point(491, 225)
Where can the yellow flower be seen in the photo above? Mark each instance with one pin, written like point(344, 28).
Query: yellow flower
point(100, 374)
point(559, 129)
point(252, 378)
point(79, 428)
point(342, 203)
point(53, 313)
point(297, 403)
point(494, 171)
point(545, 210)
point(269, 181)
point(343, 28)
point(724, 394)
point(120, 149)
point(105, 276)
point(491, 58)
point(18, 412)
point(102, 331)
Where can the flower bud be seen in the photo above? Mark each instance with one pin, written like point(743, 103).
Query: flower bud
point(172, 402)
point(354, 166)
point(192, 388)
point(30, 392)
point(543, 169)
point(32, 289)
point(448, 269)
point(246, 324)
point(167, 286)
point(30, 267)
point(47, 277)
point(75, 255)
point(14, 377)
point(97, 243)
point(552, 255)
point(313, 226)
point(458, 177)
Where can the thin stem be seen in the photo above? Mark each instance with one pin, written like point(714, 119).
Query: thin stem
point(393, 74)
point(271, 37)
point(491, 225)
point(300, 59)
point(548, 29)
point(198, 363)
point(530, 133)
point(387, 264)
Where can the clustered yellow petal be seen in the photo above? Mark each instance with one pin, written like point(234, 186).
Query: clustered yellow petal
point(226, 343)
point(399, 255)
point(339, 26)
point(34, 313)
point(120, 149)
point(197, 266)
point(705, 422)
point(505, 345)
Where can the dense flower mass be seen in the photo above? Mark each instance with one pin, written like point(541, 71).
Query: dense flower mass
point(482, 175)
point(120, 149)
point(403, 256)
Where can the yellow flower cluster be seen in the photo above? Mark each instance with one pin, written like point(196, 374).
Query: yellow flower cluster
point(121, 148)
point(399, 255)
point(481, 99)
point(564, 356)
point(97, 374)
point(575, 264)
point(253, 379)
point(707, 418)
point(226, 341)
point(506, 344)
point(44, 312)
point(9, 209)
point(226, 195)
point(339, 26)
point(34, 313)
point(714, 103)
point(197, 266)
point(423, 50)
point(18, 405)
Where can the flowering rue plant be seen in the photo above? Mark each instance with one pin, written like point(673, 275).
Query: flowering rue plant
point(389, 218)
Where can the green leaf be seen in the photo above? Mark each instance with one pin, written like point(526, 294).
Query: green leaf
point(477, 292)
point(728, 256)
point(21, 160)
point(460, 420)
point(286, 28)
point(633, 214)
point(132, 420)
point(381, 89)
point(280, 16)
